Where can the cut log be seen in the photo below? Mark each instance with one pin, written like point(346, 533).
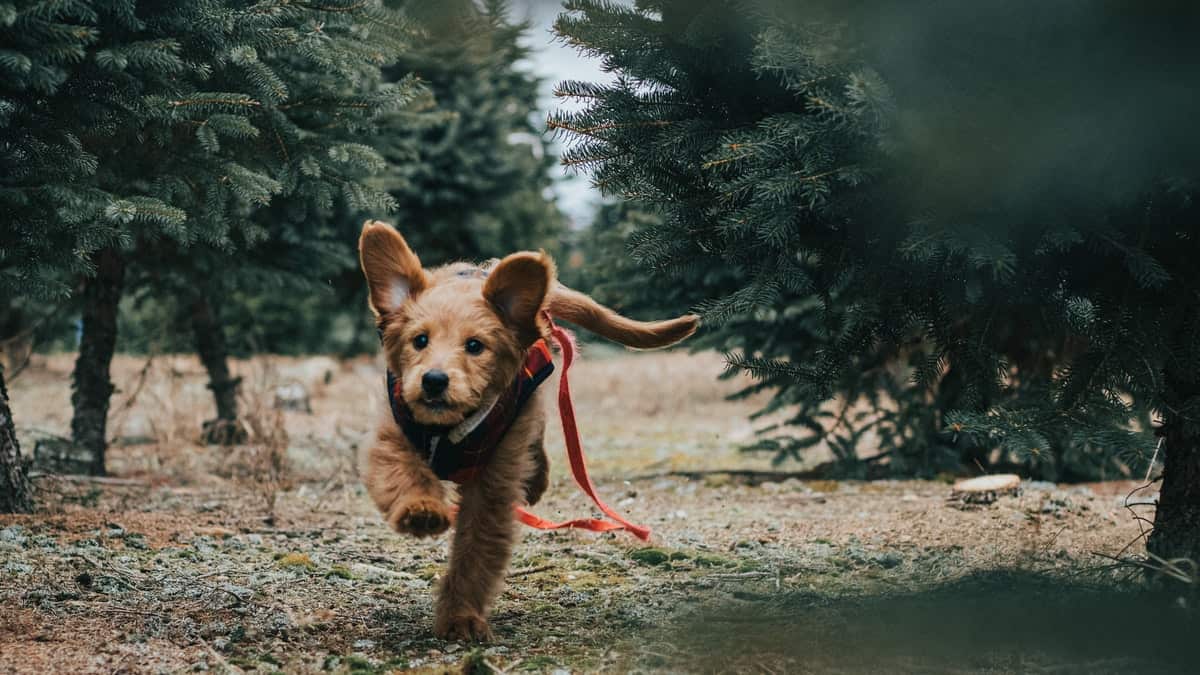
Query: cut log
point(986, 489)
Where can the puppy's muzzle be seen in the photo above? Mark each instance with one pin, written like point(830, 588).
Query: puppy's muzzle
point(434, 383)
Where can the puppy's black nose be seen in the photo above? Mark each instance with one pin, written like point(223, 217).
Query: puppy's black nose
point(435, 382)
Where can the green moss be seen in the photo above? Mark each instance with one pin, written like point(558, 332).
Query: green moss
point(748, 566)
point(650, 556)
point(710, 560)
point(339, 571)
point(538, 663)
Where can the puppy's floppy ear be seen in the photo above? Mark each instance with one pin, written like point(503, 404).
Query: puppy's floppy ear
point(393, 271)
point(517, 287)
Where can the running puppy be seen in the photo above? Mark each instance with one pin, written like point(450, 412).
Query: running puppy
point(466, 350)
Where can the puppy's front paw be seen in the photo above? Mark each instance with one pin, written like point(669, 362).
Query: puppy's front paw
point(420, 518)
point(467, 627)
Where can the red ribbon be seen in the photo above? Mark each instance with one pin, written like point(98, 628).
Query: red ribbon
point(566, 342)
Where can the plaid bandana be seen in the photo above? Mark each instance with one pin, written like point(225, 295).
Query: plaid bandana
point(459, 453)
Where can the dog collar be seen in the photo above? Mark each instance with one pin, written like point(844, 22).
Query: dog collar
point(460, 452)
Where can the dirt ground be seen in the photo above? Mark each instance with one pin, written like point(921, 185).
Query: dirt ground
point(269, 557)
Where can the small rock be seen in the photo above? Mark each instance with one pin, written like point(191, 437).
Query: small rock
point(13, 534)
point(888, 560)
point(14, 567)
point(292, 396)
point(364, 645)
point(241, 592)
point(568, 598)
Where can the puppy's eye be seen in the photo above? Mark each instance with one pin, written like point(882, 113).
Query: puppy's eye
point(474, 346)
point(421, 341)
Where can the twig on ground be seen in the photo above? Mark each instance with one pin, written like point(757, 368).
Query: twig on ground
point(1172, 568)
point(529, 570)
point(742, 575)
point(121, 574)
point(1142, 522)
point(84, 478)
point(750, 475)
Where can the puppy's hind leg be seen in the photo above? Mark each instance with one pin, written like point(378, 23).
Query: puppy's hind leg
point(538, 481)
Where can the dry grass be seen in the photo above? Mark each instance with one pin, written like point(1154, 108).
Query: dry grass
point(637, 412)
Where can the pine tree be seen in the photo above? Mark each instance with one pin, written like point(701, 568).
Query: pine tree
point(467, 169)
point(478, 185)
point(50, 220)
point(206, 129)
point(322, 160)
point(465, 166)
point(952, 219)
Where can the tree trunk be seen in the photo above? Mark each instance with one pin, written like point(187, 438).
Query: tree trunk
point(1177, 520)
point(209, 337)
point(92, 385)
point(16, 496)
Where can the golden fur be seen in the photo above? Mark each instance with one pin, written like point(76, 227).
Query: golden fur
point(426, 317)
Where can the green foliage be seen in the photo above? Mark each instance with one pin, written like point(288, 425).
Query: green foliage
point(478, 186)
point(217, 143)
point(464, 174)
point(49, 214)
point(439, 140)
point(977, 274)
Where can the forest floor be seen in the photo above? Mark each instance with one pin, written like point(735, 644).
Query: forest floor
point(269, 557)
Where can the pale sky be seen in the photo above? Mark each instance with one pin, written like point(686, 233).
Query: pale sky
point(553, 61)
